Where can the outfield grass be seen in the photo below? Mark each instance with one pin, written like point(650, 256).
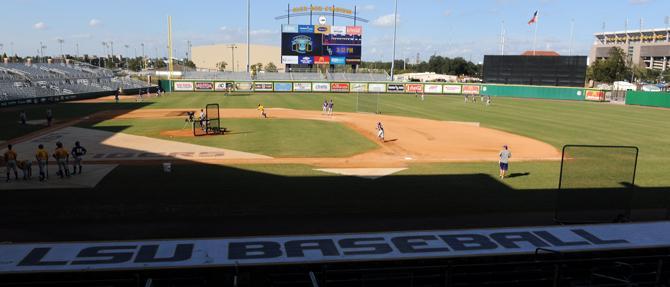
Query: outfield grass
point(273, 137)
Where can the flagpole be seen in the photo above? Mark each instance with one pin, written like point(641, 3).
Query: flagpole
point(537, 23)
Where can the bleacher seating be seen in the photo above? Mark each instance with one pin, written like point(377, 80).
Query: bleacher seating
point(19, 81)
point(310, 75)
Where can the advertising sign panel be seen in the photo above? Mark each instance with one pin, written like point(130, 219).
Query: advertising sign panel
point(470, 89)
point(321, 60)
point(433, 89)
point(451, 89)
point(338, 30)
point(396, 88)
point(321, 29)
point(338, 60)
point(302, 87)
point(283, 87)
point(204, 86)
point(263, 87)
point(359, 87)
point(307, 60)
point(183, 86)
point(222, 86)
point(244, 86)
point(347, 40)
point(593, 95)
point(414, 88)
point(321, 87)
point(339, 87)
point(289, 59)
point(353, 52)
point(287, 28)
point(377, 88)
point(354, 30)
point(302, 29)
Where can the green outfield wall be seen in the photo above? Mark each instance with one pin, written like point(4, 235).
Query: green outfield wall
point(535, 92)
point(652, 99)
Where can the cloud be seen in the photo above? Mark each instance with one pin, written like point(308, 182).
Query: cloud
point(94, 23)
point(40, 26)
point(385, 21)
point(448, 12)
point(368, 7)
point(223, 28)
point(638, 2)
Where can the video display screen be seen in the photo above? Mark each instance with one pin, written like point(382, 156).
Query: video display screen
point(334, 45)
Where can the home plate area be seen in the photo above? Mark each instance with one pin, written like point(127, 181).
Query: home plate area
point(370, 173)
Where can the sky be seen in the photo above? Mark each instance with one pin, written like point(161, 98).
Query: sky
point(453, 28)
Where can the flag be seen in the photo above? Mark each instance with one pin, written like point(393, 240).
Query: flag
point(534, 19)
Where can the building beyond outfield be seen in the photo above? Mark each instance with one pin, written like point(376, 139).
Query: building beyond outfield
point(645, 48)
point(207, 56)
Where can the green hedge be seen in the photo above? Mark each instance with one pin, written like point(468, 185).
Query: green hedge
point(536, 92)
point(652, 99)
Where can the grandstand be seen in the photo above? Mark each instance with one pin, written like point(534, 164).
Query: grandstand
point(21, 82)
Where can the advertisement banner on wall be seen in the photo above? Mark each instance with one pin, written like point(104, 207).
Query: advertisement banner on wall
point(360, 87)
point(338, 30)
point(349, 40)
point(306, 60)
point(451, 89)
point(321, 87)
point(396, 88)
point(222, 86)
point(338, 60)
point(289, 59)
point(414, 88)
point(339, 87)
point(263, 87)
point(593, 95)
point(305, 29)
point(302, 87)
point(244, 86)
point(433, 89)
point(204, 86)
point(377, 88)
point(321, 29)
point(321, 60)
point(470, 89)
point(183, 86)
point(283, 87)
point(354, 30)
point(287, 28)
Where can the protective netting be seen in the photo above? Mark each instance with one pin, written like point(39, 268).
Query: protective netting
point(367, 103)
point(596, 183)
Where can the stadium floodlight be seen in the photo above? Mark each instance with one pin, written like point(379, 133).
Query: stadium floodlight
point(60, 42)
point(395, 29)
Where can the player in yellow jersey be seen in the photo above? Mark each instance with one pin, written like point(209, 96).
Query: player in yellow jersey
point(10, 159)
point(42, 157)
point(61, 155)
point(262, 109)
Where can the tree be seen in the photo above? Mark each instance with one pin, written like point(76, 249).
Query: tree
point(614, 68)
point(221, 66)
point(271, 68)
point(190, 64)
point(135, 64)
point(258, 67)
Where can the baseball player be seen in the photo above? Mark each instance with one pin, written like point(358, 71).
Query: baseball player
point(380, 131)
point(23, 118)
point(262, 109)
point(61, 155)
point(503, 161)
point(116, 95)
point(26, 168)
point(330, 107)
point(10, 159)
point(488, 100)
point(324, 107)
point(78, 152)
point(42, 156)
point(50, 117)
point(422, 96)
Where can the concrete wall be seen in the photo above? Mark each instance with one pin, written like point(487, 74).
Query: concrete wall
point(206, 57)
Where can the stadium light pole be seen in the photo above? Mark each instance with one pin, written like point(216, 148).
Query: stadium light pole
point(248, 35)
point(60, 42)
point(395, 29)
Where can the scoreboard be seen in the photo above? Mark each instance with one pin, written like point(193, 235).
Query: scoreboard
point(321, 44)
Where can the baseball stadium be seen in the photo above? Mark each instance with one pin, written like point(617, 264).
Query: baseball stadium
point(327, 172)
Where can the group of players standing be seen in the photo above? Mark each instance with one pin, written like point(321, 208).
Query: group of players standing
point(327, 107)
point(61, 155)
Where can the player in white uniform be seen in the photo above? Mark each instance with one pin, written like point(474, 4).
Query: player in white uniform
point(380, 131)
point(503, 160)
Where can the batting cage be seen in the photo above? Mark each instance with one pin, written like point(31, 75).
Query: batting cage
point(367, 103)
point(210, 123)
point(596, 183)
